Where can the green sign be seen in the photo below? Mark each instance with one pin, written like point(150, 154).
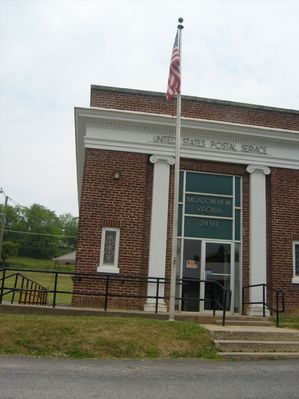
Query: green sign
point(207, 205)
point(209, 183)
point(208, 228)
point(210, 206)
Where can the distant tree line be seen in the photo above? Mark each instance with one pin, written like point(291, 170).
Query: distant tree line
point(37, 232)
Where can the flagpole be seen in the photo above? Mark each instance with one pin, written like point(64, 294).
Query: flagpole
point(174, 259)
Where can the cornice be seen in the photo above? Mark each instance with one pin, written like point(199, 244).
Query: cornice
point(239, 136)
point(130, 126)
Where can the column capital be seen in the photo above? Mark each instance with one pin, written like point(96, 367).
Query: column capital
point(162, 158)
point(259, 169)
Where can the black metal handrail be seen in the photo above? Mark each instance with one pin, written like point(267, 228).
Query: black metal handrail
point(266, 289)
point(218, 302)
point(30, 292)
point(223, 303)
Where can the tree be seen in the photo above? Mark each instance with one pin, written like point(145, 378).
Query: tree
point(68, 225)
point(39, 232)
point(9, 249)
point(42, 228)
point(15, 222)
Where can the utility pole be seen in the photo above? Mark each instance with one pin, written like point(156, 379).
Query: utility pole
point(3, 222)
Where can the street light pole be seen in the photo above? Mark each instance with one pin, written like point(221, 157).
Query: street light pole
point(3, 222)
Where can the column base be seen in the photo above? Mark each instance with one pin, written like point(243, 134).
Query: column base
point(151, 307)
point(257, 310)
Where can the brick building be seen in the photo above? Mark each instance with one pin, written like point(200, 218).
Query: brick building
point(238, 201)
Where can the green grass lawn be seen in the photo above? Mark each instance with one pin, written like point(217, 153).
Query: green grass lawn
point(290, 322)
point(65, 282)
point(103, 337)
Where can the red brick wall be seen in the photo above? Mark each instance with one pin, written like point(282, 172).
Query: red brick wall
point(108, 202)
point(284, 216)
point(226, 111)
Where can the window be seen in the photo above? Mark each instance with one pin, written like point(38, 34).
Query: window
point(109, 250)
point(296, 262)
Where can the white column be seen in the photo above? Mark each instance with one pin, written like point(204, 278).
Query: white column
point(158, 233)
point(258, 239)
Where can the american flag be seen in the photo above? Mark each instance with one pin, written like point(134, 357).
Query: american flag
point(174, 78)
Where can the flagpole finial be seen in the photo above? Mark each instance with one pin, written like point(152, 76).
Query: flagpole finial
point(180, 21)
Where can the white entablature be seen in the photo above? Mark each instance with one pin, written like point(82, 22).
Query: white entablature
point(201, 139)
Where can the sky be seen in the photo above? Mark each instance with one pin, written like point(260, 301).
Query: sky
point(51, 51)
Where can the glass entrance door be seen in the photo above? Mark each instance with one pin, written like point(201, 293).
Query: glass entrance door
point(209, 261)
point(217, 267)
point(191, 269)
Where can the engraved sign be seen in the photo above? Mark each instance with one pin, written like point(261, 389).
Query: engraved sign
point(197, 204)
point(218, 145)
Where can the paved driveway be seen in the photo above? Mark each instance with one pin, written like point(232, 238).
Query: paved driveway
point(31, 378)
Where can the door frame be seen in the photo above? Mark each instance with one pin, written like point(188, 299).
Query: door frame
point(204, 242)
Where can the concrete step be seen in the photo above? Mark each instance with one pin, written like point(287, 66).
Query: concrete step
point(277, 334)
point(243, 342)
point(245, 322)
point(256, 346)
point(258, 355)
point(238, 317)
